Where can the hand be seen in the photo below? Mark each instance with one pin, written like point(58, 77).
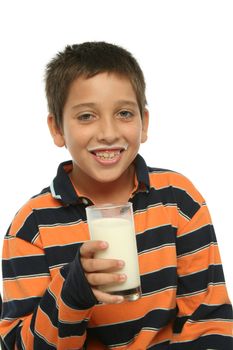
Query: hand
point(101, 271)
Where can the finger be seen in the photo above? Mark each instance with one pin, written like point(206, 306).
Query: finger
point(98, 279)
point(107, 298)
point(89, 248)
point(107, 265)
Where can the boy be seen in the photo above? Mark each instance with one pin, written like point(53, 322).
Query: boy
point(97, 109)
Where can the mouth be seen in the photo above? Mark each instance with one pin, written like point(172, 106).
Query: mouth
point(109, 156)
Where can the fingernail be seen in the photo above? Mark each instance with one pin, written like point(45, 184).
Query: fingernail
point(104, 244)
point(122, 277)
point(121, 263)
point(119, 299)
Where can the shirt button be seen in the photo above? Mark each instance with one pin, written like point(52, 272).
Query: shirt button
point(85, 201)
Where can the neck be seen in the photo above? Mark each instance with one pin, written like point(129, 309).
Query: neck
point(117, 191)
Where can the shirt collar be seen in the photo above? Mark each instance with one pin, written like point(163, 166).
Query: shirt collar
point(63, 190)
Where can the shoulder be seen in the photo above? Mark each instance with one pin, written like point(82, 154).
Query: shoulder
point(179, 184)
point(24, 224)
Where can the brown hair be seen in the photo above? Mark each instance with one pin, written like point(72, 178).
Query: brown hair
point(88, 59)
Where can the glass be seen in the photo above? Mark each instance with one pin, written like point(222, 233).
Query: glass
point(115, 225)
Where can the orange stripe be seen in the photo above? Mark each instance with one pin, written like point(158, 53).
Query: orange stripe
point(199, 260)
point(163, 335)
point(46, 329)
point(7, 326)
point(26, 334)
point(16, 247)
point(25, 287)
point(56, 285)
point(19, 219)
point(192, 331)
point(202, 218)
point(95, 344)
point(182, 222)
point(160, 180)
point(66, 313)
point(214, 295)
point(59, 235)
point(54, 271)
point(43, 201)
point(147, 337)
point(153, 217)
point(142, 341)
point(72, 342)
point(157, 259)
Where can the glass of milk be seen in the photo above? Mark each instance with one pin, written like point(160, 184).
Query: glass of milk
point(114, 224)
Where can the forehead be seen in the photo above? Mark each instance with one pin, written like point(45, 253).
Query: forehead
point(101, 87)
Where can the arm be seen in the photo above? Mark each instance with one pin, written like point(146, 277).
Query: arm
point(41, 312)
point(204, 312)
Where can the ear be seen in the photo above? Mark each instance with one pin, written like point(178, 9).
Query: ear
point(145, 124)
point(55, 131)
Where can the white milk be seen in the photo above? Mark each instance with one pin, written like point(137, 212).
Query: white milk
point(119, 233)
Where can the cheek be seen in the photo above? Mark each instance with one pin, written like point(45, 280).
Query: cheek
point(77, 138)
point(134, 134)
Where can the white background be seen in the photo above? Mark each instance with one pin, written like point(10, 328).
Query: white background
point(185, 49)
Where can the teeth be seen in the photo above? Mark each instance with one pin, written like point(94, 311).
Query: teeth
point(107, 155)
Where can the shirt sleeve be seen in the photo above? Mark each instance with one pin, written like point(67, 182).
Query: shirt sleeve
point(41, 312)
point(204, 319)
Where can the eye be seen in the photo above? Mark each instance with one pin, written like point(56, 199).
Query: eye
point(86, 117)
point(125, 114)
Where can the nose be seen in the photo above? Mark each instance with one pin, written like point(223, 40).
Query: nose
point(108, 131)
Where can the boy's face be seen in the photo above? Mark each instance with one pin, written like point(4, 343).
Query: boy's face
point(102, 127)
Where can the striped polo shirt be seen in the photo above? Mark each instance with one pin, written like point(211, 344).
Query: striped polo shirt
point(48, 304)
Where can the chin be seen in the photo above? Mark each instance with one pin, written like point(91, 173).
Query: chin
point(107, 179)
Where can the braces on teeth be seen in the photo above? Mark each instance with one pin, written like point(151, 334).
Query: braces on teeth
point(107, 155)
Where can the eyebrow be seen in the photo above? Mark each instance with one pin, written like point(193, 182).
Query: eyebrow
point(119, 102)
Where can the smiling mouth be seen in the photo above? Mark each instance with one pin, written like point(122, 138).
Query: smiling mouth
point(107, 154)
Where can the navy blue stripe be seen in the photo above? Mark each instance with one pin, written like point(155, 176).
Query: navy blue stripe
point(124, 332)
point(48, 305)
point(19, 308)
point(155, 237)
point(23, 266)
point(160, 170)
point(44, 191)
point(63, 185)
point(76, 291)
point(155, 281)
point(40, 344)
point(26, 233)
point(199, 281)
point(62, 215)
point(10, 338)
point(72, 329)
point(167, 195)
point(196, 240)
point(215, 342)
point(213, 311)
point(61, 254)
point(161, 346)
point(205, 312)
point(185, 202)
